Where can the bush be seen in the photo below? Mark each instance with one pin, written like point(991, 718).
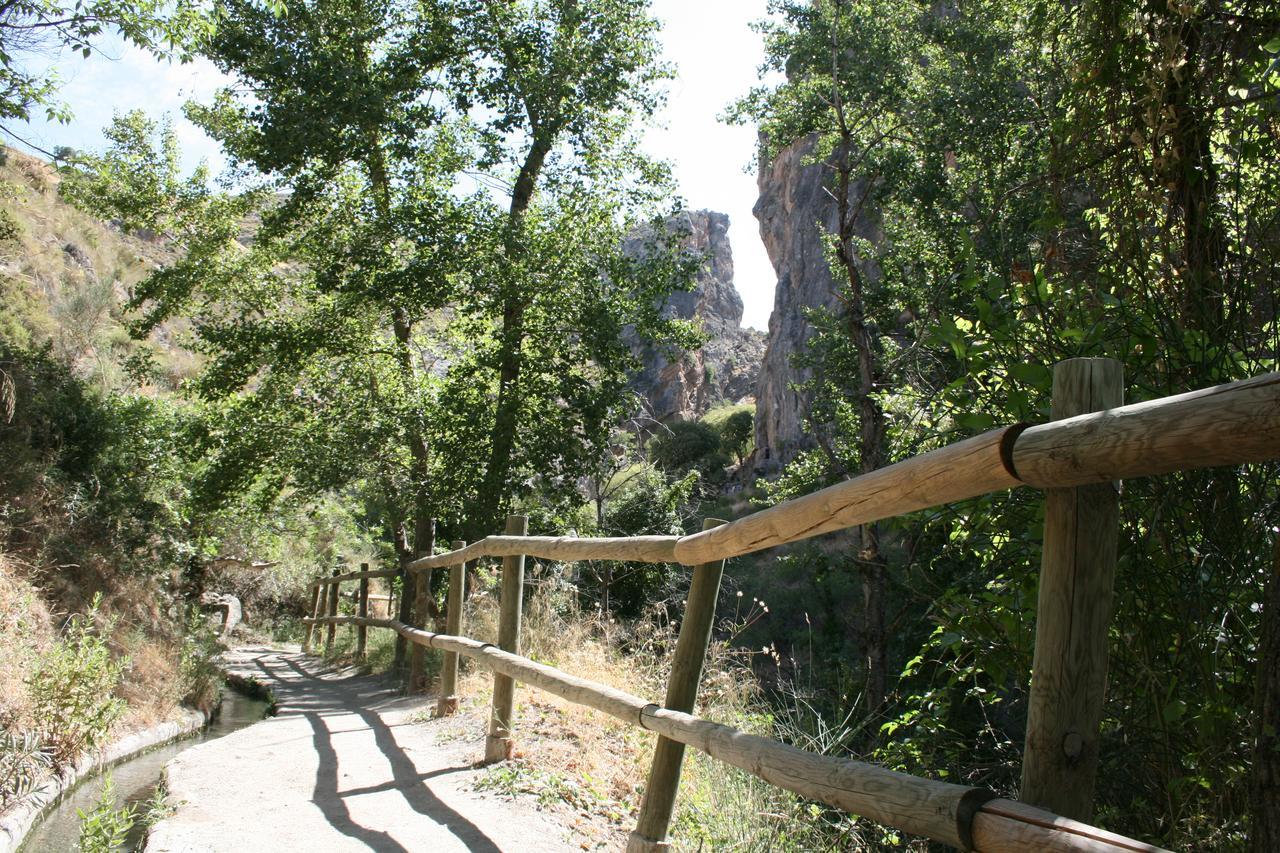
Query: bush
point(684, 445)
point(72, 691)
point(650, 505)
point(200, 677)
point(105, 828)
point(737, 432)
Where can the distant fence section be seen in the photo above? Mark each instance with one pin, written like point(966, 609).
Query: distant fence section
point(1092, 442)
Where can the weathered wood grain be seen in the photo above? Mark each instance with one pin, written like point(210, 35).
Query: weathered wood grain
point(1225, 425)
point(909, 803)
point(499, 744)
point(448, 701)
point(645, 549)
point(315, 611)
point(976, 466)
point(1008, 826)
point(363, 611)
point(355, 576)
point(333, 611)
point(682, 691)
point(1073, 613)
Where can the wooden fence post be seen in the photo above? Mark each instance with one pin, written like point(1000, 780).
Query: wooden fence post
point(333, 611)
point(650, 834)
point(1073, 613)
point(448, 702)
point(424, 547)
point(315, 613)
point(498, 745)
point(362, 609)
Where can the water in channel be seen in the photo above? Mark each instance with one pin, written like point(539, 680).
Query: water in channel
point(135, 780)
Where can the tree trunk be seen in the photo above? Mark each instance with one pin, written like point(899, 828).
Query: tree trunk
point(871, 435)
point(1265, 790)
point(490, 504)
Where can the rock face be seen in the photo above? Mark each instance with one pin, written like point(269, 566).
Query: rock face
point(683, 385)
point(795, 212)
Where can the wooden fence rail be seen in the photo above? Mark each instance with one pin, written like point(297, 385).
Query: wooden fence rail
point(942, 811)
point(1231, 424)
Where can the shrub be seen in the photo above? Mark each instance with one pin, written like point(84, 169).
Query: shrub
point(737, 432)
point(72, 690)
point(104, 828)
point(684, 445)
point(200, 677)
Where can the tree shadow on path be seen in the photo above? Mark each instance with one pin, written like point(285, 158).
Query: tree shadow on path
point(306, 694)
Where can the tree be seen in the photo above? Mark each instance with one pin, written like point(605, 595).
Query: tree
point(371, 307)
point(1059, 181)
point(683, 445)
point(736, 433)
point(31, 28)
point(567, 80)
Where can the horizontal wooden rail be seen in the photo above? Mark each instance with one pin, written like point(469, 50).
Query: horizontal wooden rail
point(967, 469)
point(962, 816)
point(1231, 424)
point(355, 576)
point(645, 549)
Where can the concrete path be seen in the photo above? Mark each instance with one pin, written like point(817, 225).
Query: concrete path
point(340, 768)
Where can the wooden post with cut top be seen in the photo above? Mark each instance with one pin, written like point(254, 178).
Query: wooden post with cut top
point(498, 745)
point(362, 610)
point(333, 611)
point(315, 614)
point(650, 834)
point(1073, 613)
point(448, 702)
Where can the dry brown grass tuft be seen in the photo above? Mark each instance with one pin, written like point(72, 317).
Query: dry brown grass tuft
point(597, 763)
point(26, 630)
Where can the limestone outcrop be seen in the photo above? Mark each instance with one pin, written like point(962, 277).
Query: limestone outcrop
point(795, 212)
point(682, 385)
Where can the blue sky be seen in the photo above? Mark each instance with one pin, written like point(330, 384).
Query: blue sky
point(709, 41)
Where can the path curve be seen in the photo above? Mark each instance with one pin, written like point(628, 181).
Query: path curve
point(340, 768)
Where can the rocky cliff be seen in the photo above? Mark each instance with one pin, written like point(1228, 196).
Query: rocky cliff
point(683, 385)
point(795, 212)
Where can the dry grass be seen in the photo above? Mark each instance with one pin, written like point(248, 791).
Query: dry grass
point(26, 630)
point(29, 627)
point(568, 753)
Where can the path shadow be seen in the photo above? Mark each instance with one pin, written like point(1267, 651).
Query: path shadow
point(315, 698)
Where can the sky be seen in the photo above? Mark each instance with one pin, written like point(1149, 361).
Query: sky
point(710, 43)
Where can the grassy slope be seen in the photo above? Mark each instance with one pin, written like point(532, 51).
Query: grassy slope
point(65, 276)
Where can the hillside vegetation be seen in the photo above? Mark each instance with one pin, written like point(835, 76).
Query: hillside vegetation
point(434, 321)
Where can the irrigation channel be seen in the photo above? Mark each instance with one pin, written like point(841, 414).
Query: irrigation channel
point(135, 779)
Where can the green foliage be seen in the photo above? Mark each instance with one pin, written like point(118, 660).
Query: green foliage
point(104, 828)
point(72, 690)
point(683, 445)
point(737, 433)
point(648, 505)
point(108, 467)
point(24, 763)
point(198, 670)
point(32, 28)
point(1039, 182)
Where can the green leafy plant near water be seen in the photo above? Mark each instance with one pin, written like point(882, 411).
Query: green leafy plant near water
point(201, 677)
point(104, 828)
point(72, 690)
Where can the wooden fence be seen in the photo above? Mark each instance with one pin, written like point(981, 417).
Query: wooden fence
point(1091, 443)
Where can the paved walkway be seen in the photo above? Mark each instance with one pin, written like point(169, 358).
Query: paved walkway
point(340, 768)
